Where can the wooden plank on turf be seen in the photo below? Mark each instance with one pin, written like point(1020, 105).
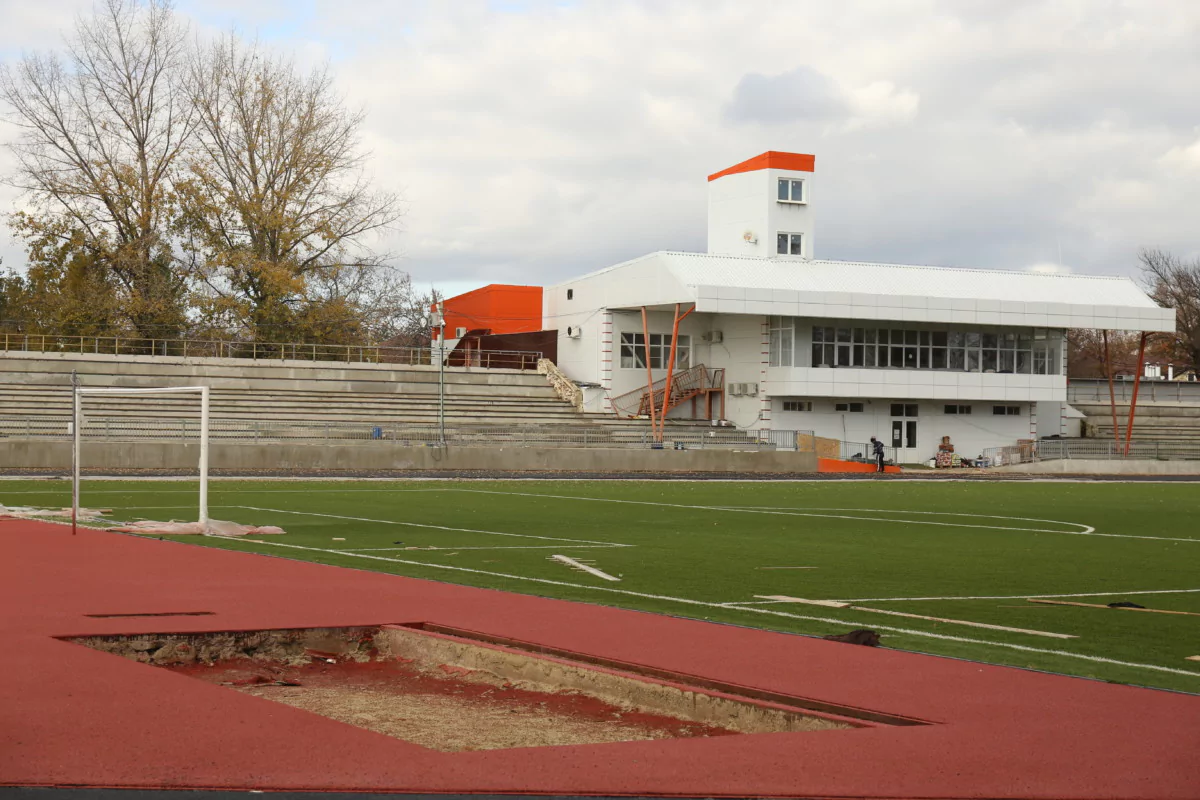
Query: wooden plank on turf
point(1118, 608)
point(783, 598)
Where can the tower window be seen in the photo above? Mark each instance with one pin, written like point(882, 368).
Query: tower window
point(789, 244)
point(791, 191)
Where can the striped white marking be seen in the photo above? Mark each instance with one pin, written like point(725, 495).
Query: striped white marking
point(570, 562)
point(701, 603)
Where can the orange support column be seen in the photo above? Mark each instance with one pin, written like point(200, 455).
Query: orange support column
point(666, 406)
point(1137, 379)
point(649, 373)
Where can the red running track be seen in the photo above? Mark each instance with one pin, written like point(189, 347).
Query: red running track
point(74, 716)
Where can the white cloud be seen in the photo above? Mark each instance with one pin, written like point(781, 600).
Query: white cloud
point(1187, 157)
point(537, 143)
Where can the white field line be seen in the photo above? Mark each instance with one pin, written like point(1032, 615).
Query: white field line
point(838, 604)
point(514, 547)
point(434, 527)
point(570, 562)
point(701, 603)
point(1017, 596)
point(966, 622)
point(1087, 529)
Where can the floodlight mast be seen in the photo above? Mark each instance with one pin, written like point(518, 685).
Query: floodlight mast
point(79, 391)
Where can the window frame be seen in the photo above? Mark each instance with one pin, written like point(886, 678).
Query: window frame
point(660, 350)
point(791, 236)
point(791, 194)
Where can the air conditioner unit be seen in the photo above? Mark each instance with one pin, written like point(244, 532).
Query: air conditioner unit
point(713, 337)
point(574, 332)
point(737, 389)
point(750, 388)
point(460, 332)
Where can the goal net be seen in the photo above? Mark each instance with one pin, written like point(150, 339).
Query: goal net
point(204, 524)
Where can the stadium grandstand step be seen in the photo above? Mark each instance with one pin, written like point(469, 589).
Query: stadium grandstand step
point(308, 400)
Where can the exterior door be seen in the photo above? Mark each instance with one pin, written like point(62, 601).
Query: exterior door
point(904, 432)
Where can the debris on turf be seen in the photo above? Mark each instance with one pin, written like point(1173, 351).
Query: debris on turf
point(27, 512)
point(215, 527)
point(862, 636)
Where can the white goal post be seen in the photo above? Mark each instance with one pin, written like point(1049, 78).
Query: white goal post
point(77, 418)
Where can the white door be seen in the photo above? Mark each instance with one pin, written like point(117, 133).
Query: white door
point(904, 432)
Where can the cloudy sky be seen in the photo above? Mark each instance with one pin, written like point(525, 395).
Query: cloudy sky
point(536, 140)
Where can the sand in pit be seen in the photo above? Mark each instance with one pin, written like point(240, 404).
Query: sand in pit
point(449, 711)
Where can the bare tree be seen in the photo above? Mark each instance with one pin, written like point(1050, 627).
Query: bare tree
point(276, 210)
point(101, 128)
point(1175, 283)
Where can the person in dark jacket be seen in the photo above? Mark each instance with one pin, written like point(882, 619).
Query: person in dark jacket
point(877, 453)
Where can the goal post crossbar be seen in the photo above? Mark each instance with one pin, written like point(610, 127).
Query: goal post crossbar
point(78, 392)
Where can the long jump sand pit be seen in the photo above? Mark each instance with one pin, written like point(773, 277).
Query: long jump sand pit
point(455, 693)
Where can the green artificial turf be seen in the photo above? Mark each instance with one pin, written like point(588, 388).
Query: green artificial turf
point(691, 546)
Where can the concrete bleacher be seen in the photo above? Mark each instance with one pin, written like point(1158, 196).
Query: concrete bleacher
point(298, 394)
point(1166, 411)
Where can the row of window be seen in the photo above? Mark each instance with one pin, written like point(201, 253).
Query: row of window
point(963, 351)
point(899, 409)
point(633, 351)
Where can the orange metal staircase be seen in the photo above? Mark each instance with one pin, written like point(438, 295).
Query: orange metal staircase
point(690, 384)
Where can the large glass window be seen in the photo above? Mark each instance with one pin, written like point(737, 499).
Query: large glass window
point(1030, 352)
point(633, 351)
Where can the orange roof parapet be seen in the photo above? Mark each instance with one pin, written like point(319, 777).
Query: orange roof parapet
point(772, 159)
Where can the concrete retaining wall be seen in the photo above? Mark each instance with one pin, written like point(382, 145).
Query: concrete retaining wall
point(395, 456)
point(1082, 466)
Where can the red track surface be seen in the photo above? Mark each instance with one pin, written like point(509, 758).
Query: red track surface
point(70, 715)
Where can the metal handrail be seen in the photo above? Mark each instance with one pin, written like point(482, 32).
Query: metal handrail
point(255, 350)
point(253, 430)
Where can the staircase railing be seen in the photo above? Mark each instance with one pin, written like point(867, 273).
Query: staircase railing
point(685, 385)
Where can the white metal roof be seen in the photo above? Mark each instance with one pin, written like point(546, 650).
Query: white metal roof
point(855, 290)
point(700, 269)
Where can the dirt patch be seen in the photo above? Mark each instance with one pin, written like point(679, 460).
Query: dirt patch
point(451, 693)
point(450, 713)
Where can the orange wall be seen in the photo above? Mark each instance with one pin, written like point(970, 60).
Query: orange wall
point(500, 308)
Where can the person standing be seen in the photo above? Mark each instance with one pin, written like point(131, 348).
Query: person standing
point(877, 453)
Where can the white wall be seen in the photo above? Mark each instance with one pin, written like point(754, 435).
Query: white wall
point(969, 433)
point(748, 202)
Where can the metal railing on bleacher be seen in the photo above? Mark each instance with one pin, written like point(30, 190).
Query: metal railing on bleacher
point(126, 429)
point(264, 351)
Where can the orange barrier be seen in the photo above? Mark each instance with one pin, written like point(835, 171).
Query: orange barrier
point(837, 465)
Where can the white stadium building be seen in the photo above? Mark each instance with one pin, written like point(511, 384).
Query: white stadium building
point(849, 350)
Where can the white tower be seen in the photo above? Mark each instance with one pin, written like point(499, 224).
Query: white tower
point(762, 207)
